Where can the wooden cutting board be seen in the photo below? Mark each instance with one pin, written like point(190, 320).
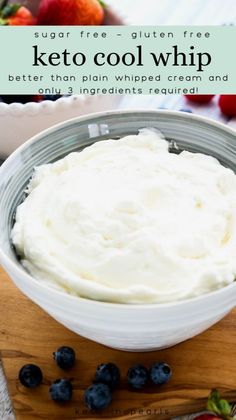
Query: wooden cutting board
point(29, 335)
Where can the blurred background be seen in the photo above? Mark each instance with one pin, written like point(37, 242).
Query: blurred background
point(176, 12)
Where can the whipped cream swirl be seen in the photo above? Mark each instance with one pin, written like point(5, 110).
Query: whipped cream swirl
point(128, 221)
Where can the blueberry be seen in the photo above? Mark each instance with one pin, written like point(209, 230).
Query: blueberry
point(160, 373)
point(137, 376)
point(30, 376)
point(64, 357)
point(51, 97)
point(97, 396)
point(61, 390)
point(186, 110)
point(109, 374)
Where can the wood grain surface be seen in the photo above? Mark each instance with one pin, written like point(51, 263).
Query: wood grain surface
point(29, 335)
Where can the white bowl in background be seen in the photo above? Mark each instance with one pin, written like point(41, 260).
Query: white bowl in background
point(19, 122)
point(130, 327)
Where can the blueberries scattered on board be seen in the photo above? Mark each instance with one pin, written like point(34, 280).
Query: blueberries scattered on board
point(137, 376)
point(30, 376)
point(98, 395)
point(109, 374)
point(160, 373)
point(61, 390)
point(64, 357)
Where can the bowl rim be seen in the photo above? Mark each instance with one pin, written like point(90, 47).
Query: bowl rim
point(89, 116)
point(41, 106)
point(16, 268)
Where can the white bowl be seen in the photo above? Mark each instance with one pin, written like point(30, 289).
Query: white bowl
point(19, 122)
point(122, 326)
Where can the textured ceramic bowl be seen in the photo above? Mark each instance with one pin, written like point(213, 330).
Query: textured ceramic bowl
point(122, 326)
point(19, 122)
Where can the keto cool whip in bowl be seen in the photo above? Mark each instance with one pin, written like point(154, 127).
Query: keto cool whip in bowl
point(128, 221)
point(128, 242)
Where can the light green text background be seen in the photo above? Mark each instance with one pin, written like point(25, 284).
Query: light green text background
point(17, 60)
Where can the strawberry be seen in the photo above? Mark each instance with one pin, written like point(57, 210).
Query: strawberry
point(227, 104)
point(23, 17)
point(38, 98)
point(218, 408)
point(199, 99)
point(16, 15)
point(70, 12)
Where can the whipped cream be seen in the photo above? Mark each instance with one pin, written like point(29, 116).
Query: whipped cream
point(128, 221)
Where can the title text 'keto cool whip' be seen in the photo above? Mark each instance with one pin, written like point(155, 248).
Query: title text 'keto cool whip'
point(127, 221)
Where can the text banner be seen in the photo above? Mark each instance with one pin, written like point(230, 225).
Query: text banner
point(118, 60)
